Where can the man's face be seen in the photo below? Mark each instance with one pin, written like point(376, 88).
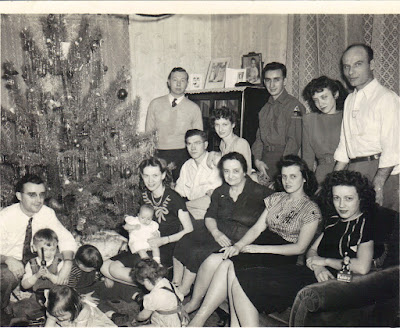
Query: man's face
point(274, 82)
point(178, 83)
point(196, 146)
point(356, 68)
point(31, 198)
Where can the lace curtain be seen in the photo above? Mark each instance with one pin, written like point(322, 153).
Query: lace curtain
point(316, 43)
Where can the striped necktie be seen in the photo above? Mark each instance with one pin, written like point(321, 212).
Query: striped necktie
point(27, 253)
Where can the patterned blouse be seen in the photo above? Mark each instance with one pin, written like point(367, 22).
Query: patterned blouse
point(286, 218)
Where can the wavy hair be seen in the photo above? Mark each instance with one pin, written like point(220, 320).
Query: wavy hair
point(148, 269)
point(232, 156)
point(155, 162)
point(320, 83)
point(310, 185)
point(223, 112)
point(363, 186)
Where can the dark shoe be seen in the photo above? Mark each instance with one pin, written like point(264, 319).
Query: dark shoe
point(119, 319)
point(223, 317)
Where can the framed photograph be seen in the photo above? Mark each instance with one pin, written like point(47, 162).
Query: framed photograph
point(252, 63)
point(216, 73)
point(234, 76)
point(196, 81)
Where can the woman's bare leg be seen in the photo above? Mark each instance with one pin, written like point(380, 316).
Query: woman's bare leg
point(116, 271)
point(204, 277)
point(216, 294)
point(178, 272)
point(243, 312)
point(187, 282)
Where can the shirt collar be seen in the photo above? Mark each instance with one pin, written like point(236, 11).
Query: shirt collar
point(280, 99)
point(369, 90)
point(178, 100)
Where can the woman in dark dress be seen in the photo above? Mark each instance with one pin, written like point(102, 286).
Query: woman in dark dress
point(283, 231)
point(348, 233)
point(235, 207)
point(321, 127)
point(169, 211)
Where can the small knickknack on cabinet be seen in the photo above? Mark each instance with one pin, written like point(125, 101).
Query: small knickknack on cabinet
point(246, 101)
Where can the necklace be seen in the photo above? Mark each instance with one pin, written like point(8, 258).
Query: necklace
point(155, 203)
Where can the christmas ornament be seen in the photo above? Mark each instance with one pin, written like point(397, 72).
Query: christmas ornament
point(70, 73)
point(122, 94)
point(126, 173)
point(95, 45)
point(54, 204)
point(67, 182)
point(105, 68)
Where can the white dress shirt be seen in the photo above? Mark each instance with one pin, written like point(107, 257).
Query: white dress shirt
point(13, 223)
point(195, 180)
point(371, 126)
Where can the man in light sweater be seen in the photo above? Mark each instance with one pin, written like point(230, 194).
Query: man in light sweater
point(171, 116)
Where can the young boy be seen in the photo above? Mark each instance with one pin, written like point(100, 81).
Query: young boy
point(42, 272)
point(86, 268)
point(142, 228)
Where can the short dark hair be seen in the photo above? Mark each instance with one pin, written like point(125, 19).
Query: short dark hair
point(320, 83)
point(63, 299)
point(155, 162)
point(178, 69)
point(367, 48)
point(310, 185)
point(89, 256)
point(148, 269)
point(32, 178)
point(232, 156)
point(196, 132)
point(364, 188)
point(223, 112)
point(46, 235)
point(273, 67)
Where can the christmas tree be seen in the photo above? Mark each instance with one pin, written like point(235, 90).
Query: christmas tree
point(67, 124)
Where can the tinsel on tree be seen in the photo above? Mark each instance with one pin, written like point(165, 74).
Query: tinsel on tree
point(66, 123)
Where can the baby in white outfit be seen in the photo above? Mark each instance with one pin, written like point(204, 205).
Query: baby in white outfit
point(141, 228)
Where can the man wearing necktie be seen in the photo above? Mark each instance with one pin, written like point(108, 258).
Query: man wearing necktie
point(18, 223)
point(369, 139)
point(171, 116)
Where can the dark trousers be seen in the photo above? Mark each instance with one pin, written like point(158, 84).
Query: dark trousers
point(176, 156)
point(8, 283)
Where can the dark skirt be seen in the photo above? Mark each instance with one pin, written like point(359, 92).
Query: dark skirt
point(195, 247)
point(274, 289)
point(129, 260)
point(252, 260)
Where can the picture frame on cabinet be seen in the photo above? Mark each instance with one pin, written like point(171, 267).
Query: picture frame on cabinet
point(252, 62)
point(196, 81)
point(216, 73)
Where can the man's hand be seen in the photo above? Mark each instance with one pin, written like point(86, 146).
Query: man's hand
point(379, 195)
point(63, 276)
point(262, 167)
point(221, 239)
point(213, 159)
point(15, 266)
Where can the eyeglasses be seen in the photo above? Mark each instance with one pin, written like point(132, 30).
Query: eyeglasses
point(35, 195)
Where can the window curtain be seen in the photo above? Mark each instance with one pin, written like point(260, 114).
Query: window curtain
point(316, 43)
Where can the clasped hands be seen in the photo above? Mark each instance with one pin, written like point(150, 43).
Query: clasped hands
point(317, 264)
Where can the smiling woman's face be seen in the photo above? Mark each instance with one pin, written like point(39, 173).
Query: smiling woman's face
point(346, 201)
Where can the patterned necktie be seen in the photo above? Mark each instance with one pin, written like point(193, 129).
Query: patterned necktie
point(27, 253)
point(174, 102)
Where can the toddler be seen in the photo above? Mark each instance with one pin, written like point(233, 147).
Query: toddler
point(142, 228)
point(86, 268)
point(66, 308)
point(163, 304)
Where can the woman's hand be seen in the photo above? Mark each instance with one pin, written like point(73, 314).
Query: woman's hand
point(221, 239)
point(157, 241)
point(230, 251)
point(322, 274)
point(315, 260)
point(253, 249)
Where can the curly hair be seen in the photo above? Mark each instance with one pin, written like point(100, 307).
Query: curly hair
point(223, 112)
point(310, 185)
point(363, 186)
point(318, 84)
point(155, 162)
point(148, 269)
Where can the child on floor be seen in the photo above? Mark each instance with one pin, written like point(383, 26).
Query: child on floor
point(163, 304)
point(66, 308)
point(86, 269)
point(142, 228)
point(41, 272)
